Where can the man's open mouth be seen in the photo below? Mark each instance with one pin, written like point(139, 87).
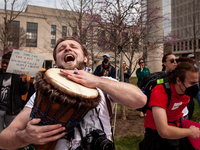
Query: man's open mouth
point(69, 58)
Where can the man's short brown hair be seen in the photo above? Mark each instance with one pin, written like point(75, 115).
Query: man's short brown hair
point(85, 52)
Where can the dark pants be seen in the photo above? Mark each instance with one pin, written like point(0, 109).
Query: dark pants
point(153, 141)
point(143, 109)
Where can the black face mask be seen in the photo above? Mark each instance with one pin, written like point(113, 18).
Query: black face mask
point(191, 90)
point(105, 60)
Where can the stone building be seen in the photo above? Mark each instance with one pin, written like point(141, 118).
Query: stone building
point(185, 16)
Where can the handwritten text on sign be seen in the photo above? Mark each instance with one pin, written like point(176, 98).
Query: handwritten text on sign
point(25, 63)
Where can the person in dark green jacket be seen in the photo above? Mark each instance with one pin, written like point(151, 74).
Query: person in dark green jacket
point(142, 71)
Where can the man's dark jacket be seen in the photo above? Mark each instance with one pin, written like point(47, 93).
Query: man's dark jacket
point(17, 89)
point(111, 74)
point(126, 75)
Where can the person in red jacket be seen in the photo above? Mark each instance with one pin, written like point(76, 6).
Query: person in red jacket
point(162, 122)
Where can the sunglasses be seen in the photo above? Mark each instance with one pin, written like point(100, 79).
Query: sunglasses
point(173, 60)
point(141, 63)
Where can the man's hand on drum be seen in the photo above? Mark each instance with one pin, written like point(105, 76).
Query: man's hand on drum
point(80, 76)
point(35, 134)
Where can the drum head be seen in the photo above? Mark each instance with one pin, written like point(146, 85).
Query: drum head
point(61, 82)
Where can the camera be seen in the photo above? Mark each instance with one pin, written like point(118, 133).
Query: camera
point(96, 140)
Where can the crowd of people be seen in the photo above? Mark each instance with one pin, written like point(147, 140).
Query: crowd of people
point(163, 129)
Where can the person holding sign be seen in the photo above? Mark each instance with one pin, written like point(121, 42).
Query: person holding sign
point(12, 88)
point(71, 57)
point(162, 122)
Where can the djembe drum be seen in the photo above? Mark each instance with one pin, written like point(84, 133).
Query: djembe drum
point(61, 101)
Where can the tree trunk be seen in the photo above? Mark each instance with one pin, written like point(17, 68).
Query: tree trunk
point(123, 111)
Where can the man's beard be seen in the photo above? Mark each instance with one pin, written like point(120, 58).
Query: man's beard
point(79, 66)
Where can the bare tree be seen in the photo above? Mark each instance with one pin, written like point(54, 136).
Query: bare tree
point(74, 16)
point(9, 30)
point(124, 25)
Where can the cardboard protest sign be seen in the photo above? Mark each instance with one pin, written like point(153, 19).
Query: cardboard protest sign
point(25, 63)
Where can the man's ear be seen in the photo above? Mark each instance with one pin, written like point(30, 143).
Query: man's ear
point(164, 63)
point(178, 81)
point(85, 59)
point(56, 64)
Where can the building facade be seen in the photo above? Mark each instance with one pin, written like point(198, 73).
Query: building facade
point(185, 16)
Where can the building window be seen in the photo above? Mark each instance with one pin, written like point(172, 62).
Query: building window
point(31, 34)
point(84, 37)
point(173, 24)
point(181, 10)
point(185, 8)
point(178, 34)
point(189, 7)
point(185, 20)
point(186, 47)
point(13, 34)
point(64, 31)
point(177, 20)
point(199, 42)
point(53, 36)
point(136, 44)
point(47, 64)
point(174, 47)
point(177, 11)
point(178, 46)
point(182, 46)
point(74, 31)
point(189, 19)
point(101, 38)
point(190, 45)
point(125, 39)
point(190, 31)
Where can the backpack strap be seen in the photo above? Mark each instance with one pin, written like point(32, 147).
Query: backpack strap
point(168, 91)
point(111, 115)
point(110, 68)
point(101, 69)
point(109, 109)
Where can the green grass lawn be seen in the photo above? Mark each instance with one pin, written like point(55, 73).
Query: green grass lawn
point(131, 142)
point(134, 80)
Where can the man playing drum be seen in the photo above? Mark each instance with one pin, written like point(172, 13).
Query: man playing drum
point(71, 56)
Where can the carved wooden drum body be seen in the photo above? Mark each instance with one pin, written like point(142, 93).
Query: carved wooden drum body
point(61, 101)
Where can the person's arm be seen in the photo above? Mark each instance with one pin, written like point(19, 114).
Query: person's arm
point(148, 71)
point(113, 72)
point(139, 73)
point(171, 132)
point(23, 131)
point(97, 70)
point(123, 93)
point(128, 72)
